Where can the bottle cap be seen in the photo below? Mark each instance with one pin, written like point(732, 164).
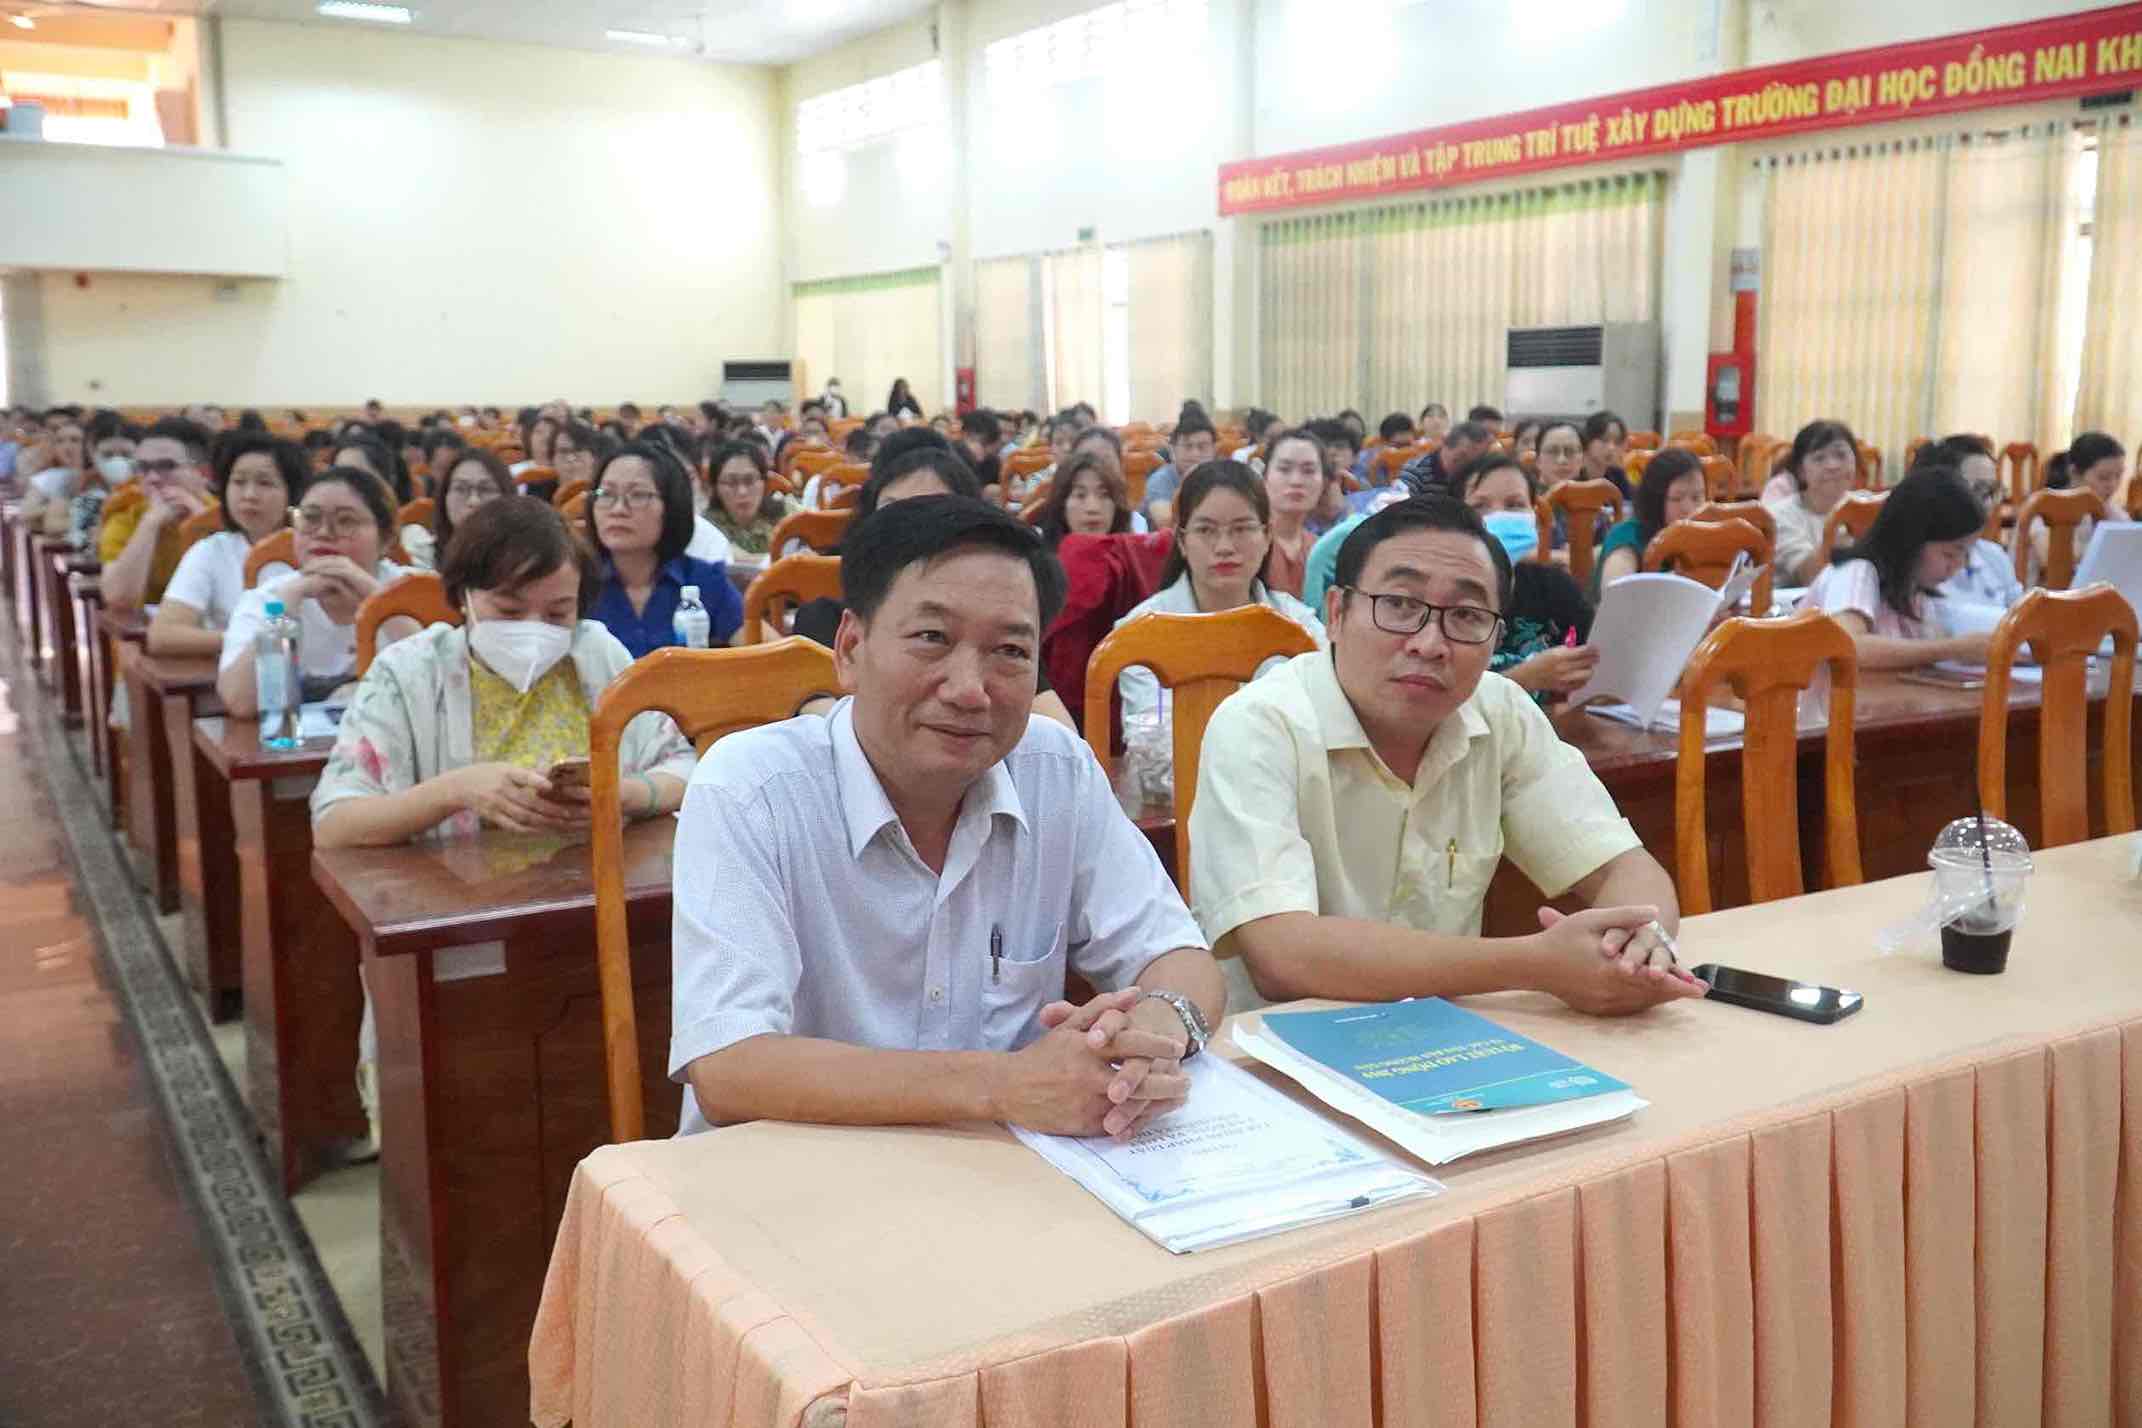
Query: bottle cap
point(275, 607)
point(691, 592)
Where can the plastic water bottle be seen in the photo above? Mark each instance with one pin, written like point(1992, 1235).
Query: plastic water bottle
point(275, 677)
point(693, 624)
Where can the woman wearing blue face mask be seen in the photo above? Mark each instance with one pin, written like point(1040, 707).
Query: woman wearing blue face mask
point(455, 728)
point(1546, 608)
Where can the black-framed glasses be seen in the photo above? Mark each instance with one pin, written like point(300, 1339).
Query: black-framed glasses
point(1405, 615)
point(637, 498)
point(162, 468)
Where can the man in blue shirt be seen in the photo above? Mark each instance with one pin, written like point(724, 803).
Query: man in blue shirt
point(1430, 476)
point(1194, 443)
point(640, 520)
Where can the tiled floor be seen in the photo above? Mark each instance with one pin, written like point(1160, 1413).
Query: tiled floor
point(109, 1303)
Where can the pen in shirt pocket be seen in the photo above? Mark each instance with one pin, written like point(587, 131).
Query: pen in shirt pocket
point(996, 952)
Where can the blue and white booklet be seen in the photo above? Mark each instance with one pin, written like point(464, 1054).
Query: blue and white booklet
point(1437, 1079)
point(1238, 1160)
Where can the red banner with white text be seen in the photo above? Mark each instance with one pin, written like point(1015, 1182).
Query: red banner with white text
point(2095, 52)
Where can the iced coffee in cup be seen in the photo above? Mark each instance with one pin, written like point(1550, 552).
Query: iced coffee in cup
point(1981, 868)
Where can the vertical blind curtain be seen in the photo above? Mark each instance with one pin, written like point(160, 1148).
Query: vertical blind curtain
point(1391, 307)
point(2109, 397)
point(1071, 308)
point(867, 331)
point(1912, 287)
point(1007, 345)
point(1170, 324)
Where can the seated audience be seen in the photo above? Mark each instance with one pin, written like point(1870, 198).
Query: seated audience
point(1335, 793)
point(1087, 497)
point(1542, 647)
point(639, 520)
point(1883, 588)
point(1264, 428)
point(139, 542)
point(65, 473)
point(1672, 490)
point(358, 447)
point(1988, 576)
point(1561, 458)
point(1397, 433)
point(1435, 422)
point(741, 503)
point(578, 450)
point(1194, 443)
point(901, 402)
point(1295, 474)
point(1430, 475)
point(1606, 451)
point(1222, 539)
point(2097, 463)
point(344, 524)
point(842, 882)
point(1525, 438)
point(256, 480)
point(456, 727)
point(1821, 465)
point(473, 476)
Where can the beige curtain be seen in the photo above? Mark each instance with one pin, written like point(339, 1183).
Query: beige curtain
point(867, 331)
point(1170, 324)
point(2109, 397)
point(1007, 340)
point(1392, 307)
point(1850, 286)
point(1072, 310)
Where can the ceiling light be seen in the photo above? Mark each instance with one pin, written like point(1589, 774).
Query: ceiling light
point(22, 22)
point(360, 10)
point(641, 37)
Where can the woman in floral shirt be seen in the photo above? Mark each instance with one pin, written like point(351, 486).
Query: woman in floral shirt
point(741, 502)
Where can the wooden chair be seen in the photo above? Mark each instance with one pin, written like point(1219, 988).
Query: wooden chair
point(2134, 496)
point(416, 513)
point(1036, 500)
point(1696, 441)
point(1200, 658)
point(1635, 465)
point(279, 548)
point(575, 510)
point(1870, 468)
point(2020, 471)
point(1755, 513)
point(811, 460)
point(709, 693)
point(1580, 503)
point(200, 526)
point(1704, 551)
point(821, 531)
point(1643, 441)
point(563, 496)
point(1026, 461)
point(421, 596)
point(793, 453)
point(1759, 459)
point(1384, 469)
point(532, 475)
point(2063, 628)
point(782, 586)
point(1853, 516)
point(839, 485)
point(1912, 449)
point(2062, 512)
point(1721, 482)
point(1767, 663)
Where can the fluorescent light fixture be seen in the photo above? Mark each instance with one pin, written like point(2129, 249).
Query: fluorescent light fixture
point(641, 37)
point(22, 22)
point(360, 10)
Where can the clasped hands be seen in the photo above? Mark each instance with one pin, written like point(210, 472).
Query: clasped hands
point(1611, 961)
point(1108, 1067)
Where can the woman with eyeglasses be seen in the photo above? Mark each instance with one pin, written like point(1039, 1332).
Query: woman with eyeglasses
point(474, 477)
point(1988, 576)
point(1606, 451)
point(640, 519)
point(1222, 544)
point(578, 451)
point(255, 479)
point(343, 524)
point(741, 503)
point(1821, 465)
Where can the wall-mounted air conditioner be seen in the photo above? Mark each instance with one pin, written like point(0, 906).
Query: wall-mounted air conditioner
point(747, 384)
point(1575, 371)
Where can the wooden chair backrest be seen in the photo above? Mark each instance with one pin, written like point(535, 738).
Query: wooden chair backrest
point(1137, 465)
point(416, 513)
point(1721, 480)
point(783, 585)
point(1870, 468)
point(1755, 513)
point(1852, 516)
point(1912, 449)
point(2062, 512)
point(1389, 462)
point(1635, 464)
point(708, 693)
point(840, 484)
point(2020, 470)
point(1027, 460)
point(200, 526)
point(1758, 454)
point(792, 456)
point(1036, 501)
point(1200, 658)
point(563, 496)
point(534, 474)
point(2063, 628)
point(420, 595)
point(1767, 663)
point(1696, 441)
point(1580, 502)
point(575, 510)
point(821, 531)
point(279, 548)
point(1704, 551)
point(1643, 441)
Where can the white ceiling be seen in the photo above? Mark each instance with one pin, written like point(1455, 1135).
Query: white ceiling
point(741, 31)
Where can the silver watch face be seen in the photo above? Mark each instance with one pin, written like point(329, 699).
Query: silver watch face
point(1193, 1019)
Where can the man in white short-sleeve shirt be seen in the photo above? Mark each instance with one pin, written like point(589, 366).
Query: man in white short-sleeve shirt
point(1352, 806)
point(875, 911)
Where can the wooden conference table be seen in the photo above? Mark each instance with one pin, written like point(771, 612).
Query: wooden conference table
point(490, 1062)
point(1925, 1214)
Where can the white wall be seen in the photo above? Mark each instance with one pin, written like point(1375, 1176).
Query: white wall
point(81, 206)
point(469, 221)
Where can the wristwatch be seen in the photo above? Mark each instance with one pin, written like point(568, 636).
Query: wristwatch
point(1194, 1027)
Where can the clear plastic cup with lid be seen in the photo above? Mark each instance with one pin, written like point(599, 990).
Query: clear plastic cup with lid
point(1982, 870)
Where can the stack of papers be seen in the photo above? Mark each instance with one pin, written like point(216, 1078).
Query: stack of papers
point(1647, 627)
point(1717, 723)
point(1237, 1161)
point(1435, 1078)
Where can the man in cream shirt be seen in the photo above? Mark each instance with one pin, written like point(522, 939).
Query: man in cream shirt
point(1352, 805)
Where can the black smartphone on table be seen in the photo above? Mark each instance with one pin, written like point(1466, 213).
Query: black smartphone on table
point(1758, 991)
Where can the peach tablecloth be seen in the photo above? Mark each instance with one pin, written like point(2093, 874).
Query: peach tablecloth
point(1930, 1214)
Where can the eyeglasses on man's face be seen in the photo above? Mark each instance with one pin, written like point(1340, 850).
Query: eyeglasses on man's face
point(1406, 615)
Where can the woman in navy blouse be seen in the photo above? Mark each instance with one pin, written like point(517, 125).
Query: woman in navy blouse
point(640, 520)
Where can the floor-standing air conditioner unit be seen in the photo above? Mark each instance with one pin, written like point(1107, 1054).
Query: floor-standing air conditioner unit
point(1575, 371)
point(750, 384)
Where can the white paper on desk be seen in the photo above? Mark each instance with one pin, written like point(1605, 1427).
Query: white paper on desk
point(2018, 673)
point(1238, 1160)
point(2114, 556)
point(1717, 723)
point(1647, 627)
point(317, 720)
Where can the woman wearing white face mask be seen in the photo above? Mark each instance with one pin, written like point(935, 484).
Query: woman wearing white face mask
point(456, 728)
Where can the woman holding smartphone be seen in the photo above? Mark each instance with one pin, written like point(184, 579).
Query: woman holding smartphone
point(462, 726)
